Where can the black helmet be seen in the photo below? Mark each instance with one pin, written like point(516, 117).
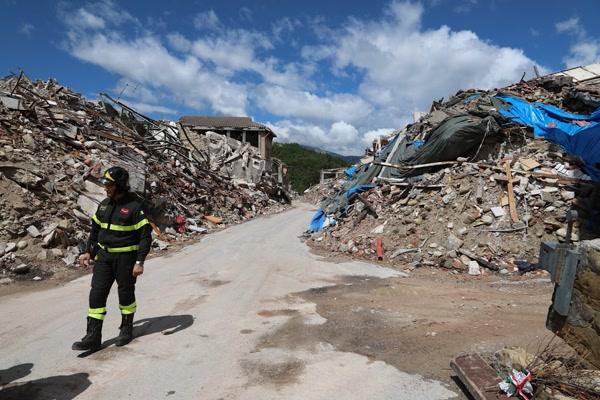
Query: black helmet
point(117, 175)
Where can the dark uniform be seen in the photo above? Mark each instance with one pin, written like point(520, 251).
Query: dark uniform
point(121, 236)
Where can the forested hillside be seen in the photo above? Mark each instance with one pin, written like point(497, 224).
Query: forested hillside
point(304, 165)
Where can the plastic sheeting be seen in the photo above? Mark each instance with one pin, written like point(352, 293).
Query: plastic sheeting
point(350, 171)
point(358, 189)
point(557, 125)
point(319, 221)
point(455, 137)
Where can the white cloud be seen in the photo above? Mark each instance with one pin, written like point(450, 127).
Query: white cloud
point(585, 50)
point(406, 66)
point(302, 104)
point(232, 51)
point(381, 70)
point(207, 20)
point(137, 91)
point(283, 26)
point(149, 108)
point(179, 42)
point(235, 51)
point(571, 25)
point(246, 14)
point(583, 53)
point(26, 29)
point(95, 16)
point(465, 6)
point(86, 20)
point(339, 137)
point(369, 136)
point(147, 61)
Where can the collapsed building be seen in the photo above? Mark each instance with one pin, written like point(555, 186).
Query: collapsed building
point(476, 185)
point(485, 173)
point(239, 148)
point(55, 144)
point(484, 183)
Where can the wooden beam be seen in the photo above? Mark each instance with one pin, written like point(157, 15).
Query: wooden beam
point(485, 263)
point(418, 166)
point(479, 378)
point(512, 205)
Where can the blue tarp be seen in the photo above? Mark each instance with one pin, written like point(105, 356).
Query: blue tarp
point(317, 221)
point(556, 125)
point(358, 189)
point(350, 171)
point(320, 220)
point(418, 143)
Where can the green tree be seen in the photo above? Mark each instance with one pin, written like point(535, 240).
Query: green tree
point(305, 165)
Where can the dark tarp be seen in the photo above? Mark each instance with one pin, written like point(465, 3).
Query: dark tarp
point(455, 137)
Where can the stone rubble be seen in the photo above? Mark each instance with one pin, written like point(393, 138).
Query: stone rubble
point(457, 216)
point(55, 144)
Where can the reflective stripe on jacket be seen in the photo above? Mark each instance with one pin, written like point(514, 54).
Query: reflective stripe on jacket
point(120, 226)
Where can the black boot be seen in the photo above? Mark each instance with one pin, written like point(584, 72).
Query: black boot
point(93, 338)
point(126, 330)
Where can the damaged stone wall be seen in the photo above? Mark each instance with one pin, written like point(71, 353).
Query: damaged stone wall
point(581, 330)
point(239, 161)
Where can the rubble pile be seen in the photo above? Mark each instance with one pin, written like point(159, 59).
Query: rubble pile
point(471, 208)
point(55, 144)
point(321, 191)
point(554, 373)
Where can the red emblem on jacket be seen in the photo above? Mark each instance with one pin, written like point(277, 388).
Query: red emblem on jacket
point(124, 211)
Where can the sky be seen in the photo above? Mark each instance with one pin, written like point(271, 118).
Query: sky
point(330, 74)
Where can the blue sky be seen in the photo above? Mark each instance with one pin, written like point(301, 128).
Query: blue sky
point(326, 73)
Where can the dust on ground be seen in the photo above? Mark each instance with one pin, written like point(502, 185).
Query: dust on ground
point(418, 324)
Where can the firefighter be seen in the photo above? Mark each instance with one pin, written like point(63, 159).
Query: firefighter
point(119, 242)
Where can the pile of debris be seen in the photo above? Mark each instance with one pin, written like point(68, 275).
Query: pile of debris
point(55, 144)
point(471, 186)
point(554, 373)
point(321, 191)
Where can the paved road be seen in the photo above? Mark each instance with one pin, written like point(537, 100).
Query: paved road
point(203, 317)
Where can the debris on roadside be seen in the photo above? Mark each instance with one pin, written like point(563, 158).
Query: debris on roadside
point(554, 373)
point(473, 185)
point(55, 144)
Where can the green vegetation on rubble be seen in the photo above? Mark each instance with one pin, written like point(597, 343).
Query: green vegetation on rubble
point(304, 165)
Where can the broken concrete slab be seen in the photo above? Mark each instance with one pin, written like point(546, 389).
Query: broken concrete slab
point(498, 212)
point(474, 268)
point(33, 231)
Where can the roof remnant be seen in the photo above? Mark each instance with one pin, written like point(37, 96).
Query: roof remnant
point(223, 122)
point(55, 144)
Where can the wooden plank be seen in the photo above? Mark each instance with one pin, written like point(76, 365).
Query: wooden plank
point(528, 164)
point(479, 378)
point(419, 166)
point(512, 205)
point(111, 137)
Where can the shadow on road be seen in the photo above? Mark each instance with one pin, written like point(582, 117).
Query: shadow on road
point(60, 387)
point(14, 373)
point(167, 325)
